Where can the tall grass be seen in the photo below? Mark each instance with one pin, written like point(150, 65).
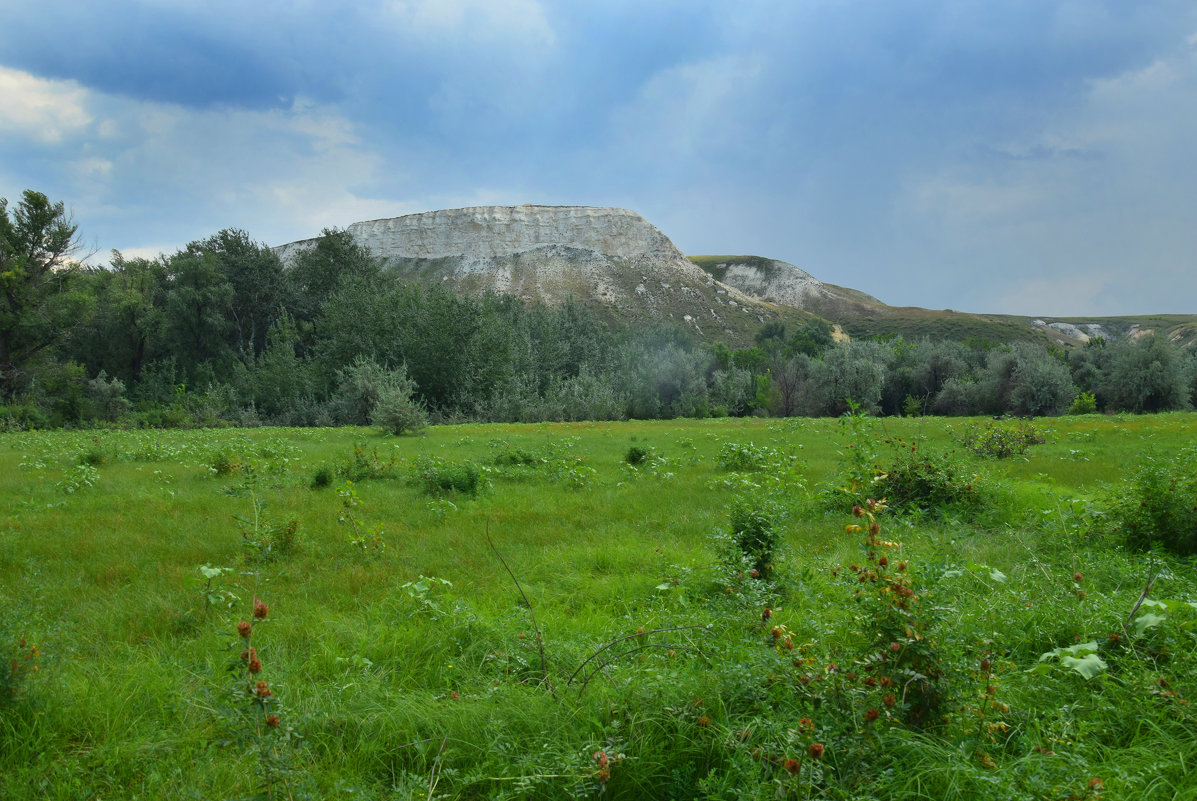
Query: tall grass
point(414, 671)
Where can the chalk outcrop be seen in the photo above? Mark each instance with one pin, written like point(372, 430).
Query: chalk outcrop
point(612, 257)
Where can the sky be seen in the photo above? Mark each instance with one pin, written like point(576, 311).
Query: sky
point(1031, 157)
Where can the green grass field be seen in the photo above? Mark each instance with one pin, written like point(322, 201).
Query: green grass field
point(633, 658)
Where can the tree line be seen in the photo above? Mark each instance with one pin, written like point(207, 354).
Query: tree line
point(221, 332)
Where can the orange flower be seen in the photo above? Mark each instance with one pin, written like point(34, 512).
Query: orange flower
point(792, 766)
point(704, 721)
point(244, 629)
point(872, 714)
point(261, 610)
point(262, 690)
point(815, 750)
point(889, 699)
point(255, 666)
point(272, 721)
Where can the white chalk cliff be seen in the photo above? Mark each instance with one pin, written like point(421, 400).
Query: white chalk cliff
point(549, 253)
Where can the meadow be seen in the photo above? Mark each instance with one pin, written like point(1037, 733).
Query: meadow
point(672, 609)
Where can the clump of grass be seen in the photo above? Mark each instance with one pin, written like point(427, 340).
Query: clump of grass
point(364, 464)
point(437, 476)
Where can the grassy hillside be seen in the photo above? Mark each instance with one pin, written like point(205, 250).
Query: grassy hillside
point(565, 623)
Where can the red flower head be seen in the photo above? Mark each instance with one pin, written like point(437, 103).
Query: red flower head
point(768, 613)
point(792, 766)
point(255, 665)
point(857, 511)
point(261, 610)
point(244, 629)
point(272, 721)
point(889, 699)
point(262, 690)
point(871, 714)
point(815, 750)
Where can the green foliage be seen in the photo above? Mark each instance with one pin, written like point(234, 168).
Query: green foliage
point(753, 526)
point(1083, 403)
point(1157, 506)
point(747, 457)
point(322, 477)
point(922, 479)
point(396, 410)
point(364, 464)
point(368, 540)
point(637, 455)
point(1001, 440)
point(437, 476)
point(37, 308)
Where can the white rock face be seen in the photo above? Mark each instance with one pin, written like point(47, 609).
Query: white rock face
point(493, 231)
point(546, 253)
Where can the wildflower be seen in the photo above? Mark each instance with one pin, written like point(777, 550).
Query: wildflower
point(1095, 783)
point(895, 647)
point(776, 632)
point(244, 629)
point(261, 610)
point(1078, 577)
point(874, 529)
point(255, 666)
point(788, 644)
point(871, 714)
point(768, 613)
point(600, 758)
point(815, 750)
point(984, 665)
point(902, 566)
point(792, 766)
point(603, 775)
point(262, 690)
point(272, 721)
point(857, 511)
point(704, 722)
point(889, 699)
point(806, 724)
point(883, 561)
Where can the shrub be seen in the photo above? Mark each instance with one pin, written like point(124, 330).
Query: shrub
point(1083, 403)
point(396, 411)
point(1001, 441)
point(438, 476)
point(754, 532)
point(919, 479)
point(1158, 506)
point(638, 454)
point(746, 457)
point(322, 477)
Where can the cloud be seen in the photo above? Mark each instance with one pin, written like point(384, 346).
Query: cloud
point(46, 111)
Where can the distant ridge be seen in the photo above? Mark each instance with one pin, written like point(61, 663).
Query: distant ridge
point(616, 262)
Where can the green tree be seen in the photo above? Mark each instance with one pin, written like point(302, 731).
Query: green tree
point(37, 308)
point(1147, 375)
